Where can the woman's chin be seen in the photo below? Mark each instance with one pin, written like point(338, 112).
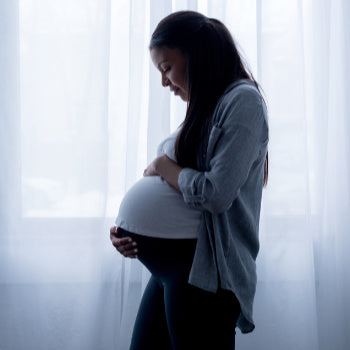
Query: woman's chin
point(183, 97)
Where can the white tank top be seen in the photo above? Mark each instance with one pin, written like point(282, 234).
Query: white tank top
point(153, 208)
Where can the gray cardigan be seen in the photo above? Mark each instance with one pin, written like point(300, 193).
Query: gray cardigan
point(229, 194)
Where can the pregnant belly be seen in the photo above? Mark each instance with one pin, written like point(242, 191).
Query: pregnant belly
point(153, 208)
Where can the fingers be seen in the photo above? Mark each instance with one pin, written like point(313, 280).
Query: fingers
point(151, 169)
point(147, 172)
point(125, 246)
point(114, 230)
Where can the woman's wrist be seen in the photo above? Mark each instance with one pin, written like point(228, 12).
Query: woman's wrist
point(162, 163)
point(168, 170)
point(157, 164)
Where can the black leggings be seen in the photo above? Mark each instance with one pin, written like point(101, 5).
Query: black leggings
point(174, 314)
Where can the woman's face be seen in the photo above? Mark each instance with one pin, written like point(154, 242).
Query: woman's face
point(172, 64)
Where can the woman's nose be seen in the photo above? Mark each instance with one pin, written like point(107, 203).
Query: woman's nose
point(165, 80)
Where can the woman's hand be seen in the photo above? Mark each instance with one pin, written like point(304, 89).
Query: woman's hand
point(152, 169)
point(125, 246)
point(166, 168)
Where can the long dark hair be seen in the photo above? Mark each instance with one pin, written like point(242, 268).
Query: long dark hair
point(213, 62)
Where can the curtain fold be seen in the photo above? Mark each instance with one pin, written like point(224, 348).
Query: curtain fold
point(82, 111)
point(10, 192)
point(329, 126)
point(10, 117)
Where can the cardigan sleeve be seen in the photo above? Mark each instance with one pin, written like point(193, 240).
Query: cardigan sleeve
point(241, 133)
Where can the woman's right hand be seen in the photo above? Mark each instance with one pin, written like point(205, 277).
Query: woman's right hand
point(125, 246)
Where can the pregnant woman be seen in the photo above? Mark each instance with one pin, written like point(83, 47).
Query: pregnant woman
point(193, 220)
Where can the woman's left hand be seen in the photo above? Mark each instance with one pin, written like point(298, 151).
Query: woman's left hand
point(166, 168)
point(152, 169)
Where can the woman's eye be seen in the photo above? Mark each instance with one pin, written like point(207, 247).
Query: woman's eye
point(166, 69)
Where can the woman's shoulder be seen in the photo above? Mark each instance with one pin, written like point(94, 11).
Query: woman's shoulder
point(243, 91)
point(242, 104)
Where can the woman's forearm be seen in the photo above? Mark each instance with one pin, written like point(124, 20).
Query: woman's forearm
point(168, 170)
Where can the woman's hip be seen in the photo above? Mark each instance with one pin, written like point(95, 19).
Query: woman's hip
point(163, 256)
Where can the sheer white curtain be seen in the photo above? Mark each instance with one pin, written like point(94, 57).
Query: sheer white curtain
point(81, 113)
